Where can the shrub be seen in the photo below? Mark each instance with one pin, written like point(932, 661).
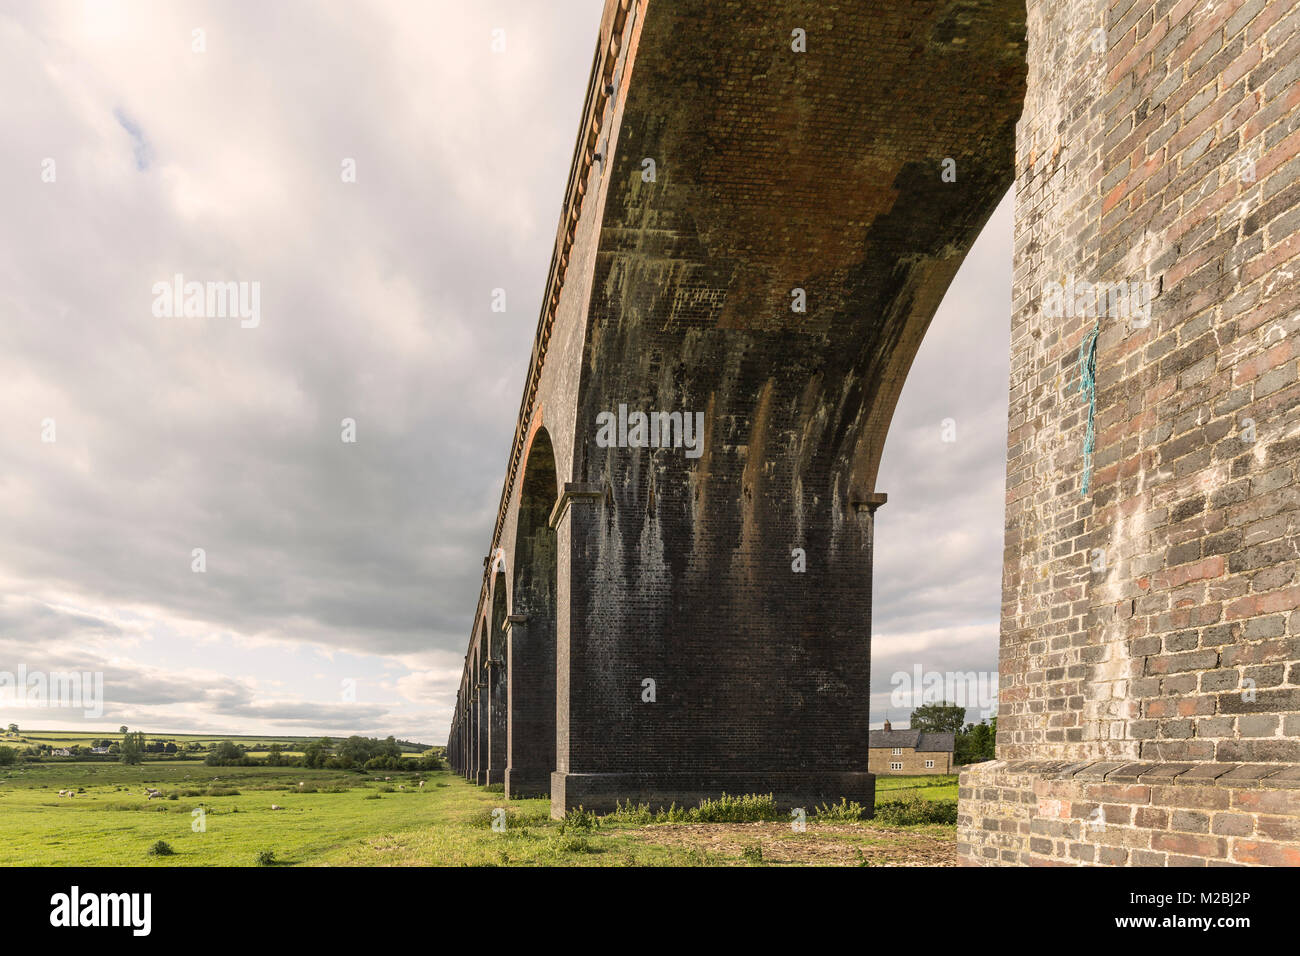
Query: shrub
point(913, 811)
point(579, 821)
point(631, 814)
point(727, 809)
point(266, 858)
point(161, 848)
point(746, 809)
point(752, 853)
point(842, 812)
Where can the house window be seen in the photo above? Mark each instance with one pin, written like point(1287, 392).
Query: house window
point(929, 765)
point(898, 751)
point(896, 766)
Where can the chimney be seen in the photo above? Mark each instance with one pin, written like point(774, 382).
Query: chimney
point(888, 727)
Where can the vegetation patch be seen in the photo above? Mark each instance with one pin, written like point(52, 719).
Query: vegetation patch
point(912, 810)
point(845, 811)
point(338, 817)
point(726, 809)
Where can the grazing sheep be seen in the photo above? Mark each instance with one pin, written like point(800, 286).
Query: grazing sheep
point(421, 784)
point(276, 806)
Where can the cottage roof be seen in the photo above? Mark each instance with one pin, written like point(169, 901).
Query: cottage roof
point(915, 739)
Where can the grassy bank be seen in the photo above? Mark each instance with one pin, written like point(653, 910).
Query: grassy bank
point(223, 816)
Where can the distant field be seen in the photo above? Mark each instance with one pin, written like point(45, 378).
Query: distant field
point(257, 745)
point(936, 787)
point(345, 818)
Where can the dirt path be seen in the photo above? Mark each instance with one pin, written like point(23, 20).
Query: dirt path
point(820, 845)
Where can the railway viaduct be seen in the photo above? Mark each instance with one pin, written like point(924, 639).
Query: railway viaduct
point(767, 202)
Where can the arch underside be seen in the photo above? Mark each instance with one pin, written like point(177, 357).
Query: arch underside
point(531, 637)
point(774, 171)
point(779, 178)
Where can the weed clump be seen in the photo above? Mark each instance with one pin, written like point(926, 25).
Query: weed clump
point(579, 821)
point(913, 811)
point(751, 808)
point(842, 812)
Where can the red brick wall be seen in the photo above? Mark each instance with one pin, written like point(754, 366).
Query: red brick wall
point(1134, 163)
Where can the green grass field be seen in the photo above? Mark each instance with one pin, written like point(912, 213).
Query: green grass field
point(344, 818)
point(936, 787)
point(255, 745)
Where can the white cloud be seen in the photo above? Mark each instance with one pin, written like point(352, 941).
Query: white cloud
point(328, 561)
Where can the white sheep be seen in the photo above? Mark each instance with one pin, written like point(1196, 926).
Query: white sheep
point(276, 806)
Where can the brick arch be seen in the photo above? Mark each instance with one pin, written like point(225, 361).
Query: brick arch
point(813, 174)
point(531, 639)
point(498, 687)
point(821, 171)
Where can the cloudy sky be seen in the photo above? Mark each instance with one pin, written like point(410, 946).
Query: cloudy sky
point(149, 139)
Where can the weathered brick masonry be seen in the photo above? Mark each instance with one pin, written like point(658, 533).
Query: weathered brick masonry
point(1149, 649)
point(776, 170)
point(1150, 684)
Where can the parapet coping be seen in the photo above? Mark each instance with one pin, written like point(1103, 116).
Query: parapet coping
point(1236, 775)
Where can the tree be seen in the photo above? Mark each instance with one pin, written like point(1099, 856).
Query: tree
point(940, 718)
point(13, 728)
point(976, 742)
point(313, 755)
point(122, 729)
point(132, 748)
point(226, 753)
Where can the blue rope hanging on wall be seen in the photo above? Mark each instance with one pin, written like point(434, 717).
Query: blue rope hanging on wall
point(1088, 385)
